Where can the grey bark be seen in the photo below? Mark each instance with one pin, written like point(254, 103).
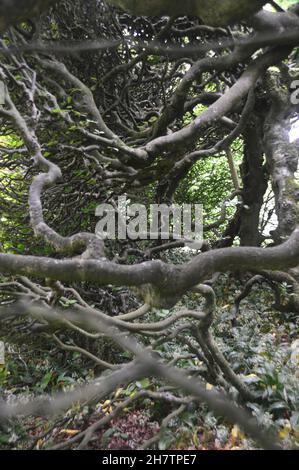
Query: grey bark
point(212, 12)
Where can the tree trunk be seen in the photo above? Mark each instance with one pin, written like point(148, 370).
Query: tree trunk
point(213, 12)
